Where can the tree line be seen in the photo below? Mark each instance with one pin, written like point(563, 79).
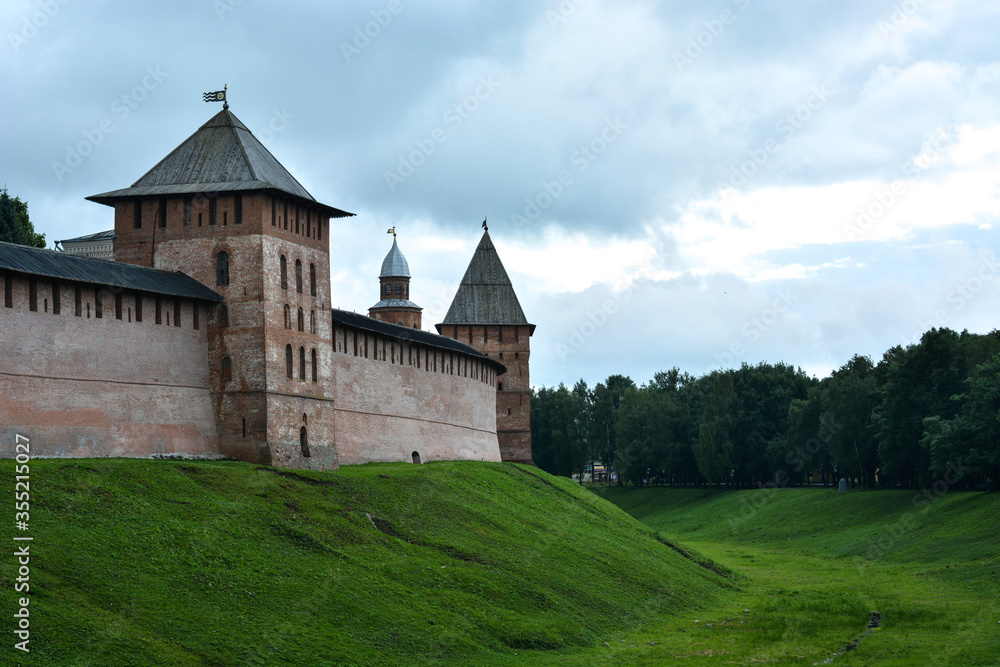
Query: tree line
point(925, 412)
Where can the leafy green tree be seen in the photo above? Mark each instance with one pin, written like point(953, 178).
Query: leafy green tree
point(607, 400)
point(585, 405)
point(638, 434)
point(804, 446)
point(714, 450)
point(972, 437)
point(679, 398)
point(916, 383)
point(558, 443)
point(15, 225)
point(851, 398)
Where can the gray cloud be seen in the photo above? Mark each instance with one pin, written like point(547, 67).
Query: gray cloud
point(516, 101)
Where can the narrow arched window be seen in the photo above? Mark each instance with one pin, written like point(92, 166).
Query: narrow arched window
point(398, 289)
point(312, 279)
point(222, 268)
point(298, 276)
point(284, 273)
point(302, 321)
point(500, 386)
point(227, 369)
point(388, 290)
point(223, 315)
point(288, 316)
point(302, 363)
point(312, 321)
point(304, 441)
point(288, 361)
point(315, 370)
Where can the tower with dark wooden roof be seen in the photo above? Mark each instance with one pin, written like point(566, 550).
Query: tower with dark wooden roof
point(486, 314)
point(222, 209)
point(394, 289)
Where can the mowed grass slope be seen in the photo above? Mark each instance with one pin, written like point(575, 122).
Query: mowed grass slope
point(138, 562)
point(813, 564)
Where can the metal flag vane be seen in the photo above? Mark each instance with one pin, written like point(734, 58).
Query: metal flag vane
point(218, 96)
point(392, 230)
point(484, 224)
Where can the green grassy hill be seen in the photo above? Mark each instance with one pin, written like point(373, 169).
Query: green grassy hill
point(138, 562)
point(813, 564)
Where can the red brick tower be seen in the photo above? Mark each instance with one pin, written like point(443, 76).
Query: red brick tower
point(487, 315)
point(223, 210)
point(394, 288)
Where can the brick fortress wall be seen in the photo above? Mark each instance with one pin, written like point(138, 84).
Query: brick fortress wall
point(510, 345)
point(81, 385)
point(396, 397)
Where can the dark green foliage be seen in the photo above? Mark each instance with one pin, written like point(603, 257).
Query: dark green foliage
point(892, 424)
point(919, 383)
point(973, 436)
point(804, 446)
point(851, 396)
point(15, 226)
point(559, 430)
point(606, 400)
point(714, 450)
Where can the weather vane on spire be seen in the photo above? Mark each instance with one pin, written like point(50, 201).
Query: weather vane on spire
point(392, 230)
point(484, 224)
point(218, 96)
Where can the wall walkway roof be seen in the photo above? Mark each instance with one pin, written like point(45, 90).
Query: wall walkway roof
point(61, 265)
point(413, 335)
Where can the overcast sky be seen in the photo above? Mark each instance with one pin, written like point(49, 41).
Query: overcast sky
point(691, 184)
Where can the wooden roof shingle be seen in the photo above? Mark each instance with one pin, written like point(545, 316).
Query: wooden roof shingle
point(486, 295)
point(221, 156)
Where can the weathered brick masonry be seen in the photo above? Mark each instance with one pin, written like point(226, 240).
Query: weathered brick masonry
point(416, 395)
point(91, 380)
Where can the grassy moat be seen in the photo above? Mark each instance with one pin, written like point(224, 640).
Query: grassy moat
point(138, 562)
